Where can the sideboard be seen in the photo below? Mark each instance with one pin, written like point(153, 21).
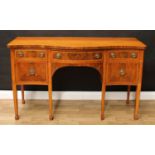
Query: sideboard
point(34, 60)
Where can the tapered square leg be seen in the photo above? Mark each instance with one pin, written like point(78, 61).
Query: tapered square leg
point(128, 95)
point(103, 101)
point(22, 92)
point(103, 90)
point(50, 74)
point(137, 103)
point(15, 101)
point(51, 117)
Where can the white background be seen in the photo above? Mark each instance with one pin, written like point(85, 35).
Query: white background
point(77, 15)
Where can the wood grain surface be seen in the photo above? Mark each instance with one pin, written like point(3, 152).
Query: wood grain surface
point(76, 42)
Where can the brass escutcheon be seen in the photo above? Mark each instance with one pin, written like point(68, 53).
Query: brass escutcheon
point(98, 55)
point(113, 55)
point(31, 71)
point(41, 54)
point(21, 54)
point(58, 56)
point(133, 55)
point(122, 72)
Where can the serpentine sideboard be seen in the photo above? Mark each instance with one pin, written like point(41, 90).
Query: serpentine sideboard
point(34, 60)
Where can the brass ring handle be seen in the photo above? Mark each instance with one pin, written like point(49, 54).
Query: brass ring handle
point(97, 56)
point(41, 54)
point(122, 72)
point(58, 56)
point(21, 54)
point(133, 55)
point(113, 55)
point(32, 72)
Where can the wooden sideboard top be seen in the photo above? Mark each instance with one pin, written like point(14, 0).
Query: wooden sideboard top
point(76, 43)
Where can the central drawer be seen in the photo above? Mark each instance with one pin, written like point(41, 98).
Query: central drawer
point(58, 55)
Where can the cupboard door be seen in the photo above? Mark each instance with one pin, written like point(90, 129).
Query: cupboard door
point(122, 73)
point(31, 72)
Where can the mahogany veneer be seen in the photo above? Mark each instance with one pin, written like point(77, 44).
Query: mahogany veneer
point(34, 60)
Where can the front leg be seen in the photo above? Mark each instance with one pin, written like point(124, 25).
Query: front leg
point(103, 100)
point(103, 90)
point(136, 112)
point(50, 74)
point(14, 87)
point(51, 117)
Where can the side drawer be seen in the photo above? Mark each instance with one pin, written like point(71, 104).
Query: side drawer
point(126, 55)
point(28, 54)
point(122, 73)
point(31, 72)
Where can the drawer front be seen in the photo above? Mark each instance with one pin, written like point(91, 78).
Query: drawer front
point(123, 55)
point(122, 73)
point(77, 56)
point(31, 72)
point(27, 54)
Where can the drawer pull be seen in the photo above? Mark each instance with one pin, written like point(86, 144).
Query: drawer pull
point(42, 55)
point(122, 72)
point(133, 55)
point(97, 56)
point(32, 72)
point(21, 54)
point(58, 56)
point(113, 55)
